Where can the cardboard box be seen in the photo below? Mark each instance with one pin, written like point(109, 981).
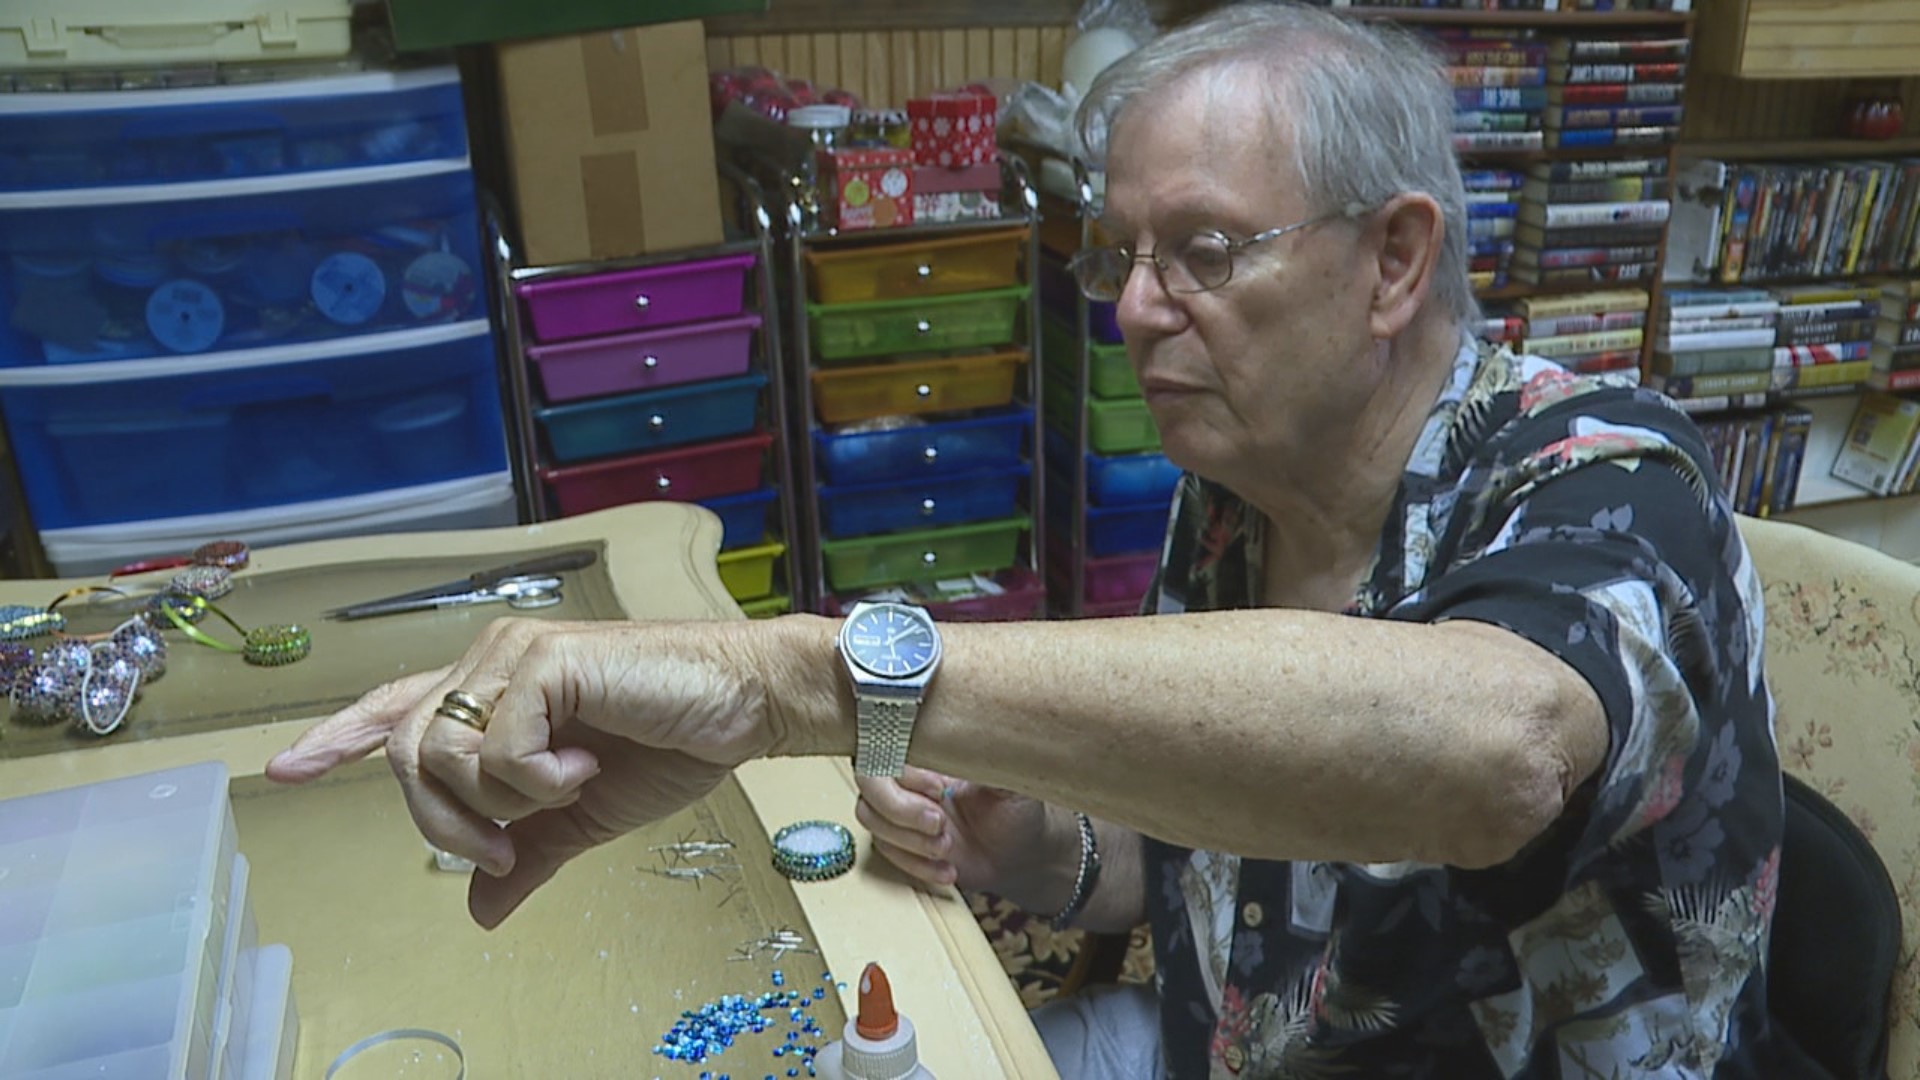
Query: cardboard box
point(434, 24)
point(609, 143)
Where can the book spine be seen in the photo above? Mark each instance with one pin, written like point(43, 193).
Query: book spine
point(1575, 344)
point(1600, 168)
point(1702, 326)
point(1612, 117)
point(1482, 75)
point(1623, 136)
point(1592, 303)
point(1617, 94)
point(1825, 333)
point(1806, 355)
point(1500, 97)
point(1831, 311)
point(1586, 324)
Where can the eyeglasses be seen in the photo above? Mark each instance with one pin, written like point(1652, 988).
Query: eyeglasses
point(1195, 263)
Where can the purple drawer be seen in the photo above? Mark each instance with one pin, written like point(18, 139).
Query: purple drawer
point(642, 299)
point(706, 471)
point(622, 363)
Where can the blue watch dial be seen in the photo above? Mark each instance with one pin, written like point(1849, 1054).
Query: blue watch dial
point(891, 642)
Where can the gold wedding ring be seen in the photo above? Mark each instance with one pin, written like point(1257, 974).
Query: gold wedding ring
point(465, 708)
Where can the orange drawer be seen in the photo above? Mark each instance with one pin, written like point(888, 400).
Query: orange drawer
point(852, 275)
point(916, 386)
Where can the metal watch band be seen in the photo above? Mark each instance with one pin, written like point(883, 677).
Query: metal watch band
point(885, 725)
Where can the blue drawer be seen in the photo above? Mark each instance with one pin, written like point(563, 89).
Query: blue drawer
point(72, 140)
point(957, 446)
point(203, 436)
point(743, 518)
point(1113, 530)
point(126, 273)
point(1120, 479)
point(922, 504)
point(650, 421)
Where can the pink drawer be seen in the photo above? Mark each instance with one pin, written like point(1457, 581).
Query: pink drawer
point(596, 367)
point(706, 471)
point(1117, 579)
point(1110, 609)
point(627, 300)
point(1023, 598)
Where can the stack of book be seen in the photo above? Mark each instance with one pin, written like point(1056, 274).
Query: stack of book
point(1615, 90)
point(1591, 221)
point(1588, 332)
point(1493, 202)
point(1758, 456)
point(1895, 356)
point(1826, 334)
point(1715, 346)
point(1881, 453)
point(1498, 79)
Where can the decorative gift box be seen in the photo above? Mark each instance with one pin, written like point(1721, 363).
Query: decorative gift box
point(868, 188)
point(942, 194)
point(954, 129)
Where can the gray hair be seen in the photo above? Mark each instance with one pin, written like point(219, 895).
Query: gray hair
point(1369, 104)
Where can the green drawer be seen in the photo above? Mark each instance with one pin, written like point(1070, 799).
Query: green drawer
point(767, 606)
point(1108, 368)
point(867, 561)
point(1119, 426)
point(964, 321)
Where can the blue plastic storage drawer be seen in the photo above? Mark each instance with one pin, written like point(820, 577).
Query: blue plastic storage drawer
point(125, 273)
point(168, 439)
point(655, 419)
point(897, 454)
point(71, 140)
point(743, 518)
point(1124, 530)
point(1120, 479)
point(947, 500)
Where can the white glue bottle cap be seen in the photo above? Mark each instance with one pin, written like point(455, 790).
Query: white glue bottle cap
point(878, 1043)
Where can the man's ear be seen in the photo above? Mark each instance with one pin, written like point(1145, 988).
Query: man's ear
point(1408, 232)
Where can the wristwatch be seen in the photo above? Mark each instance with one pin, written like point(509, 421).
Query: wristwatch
point(891, 651)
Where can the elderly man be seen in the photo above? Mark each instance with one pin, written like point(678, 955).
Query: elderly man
point(1447, 751)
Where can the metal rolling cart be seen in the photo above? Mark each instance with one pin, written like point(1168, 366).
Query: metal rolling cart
point(531, 453)
point(1022, 585)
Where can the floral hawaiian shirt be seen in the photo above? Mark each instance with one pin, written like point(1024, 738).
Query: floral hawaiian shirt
point(1628, 940)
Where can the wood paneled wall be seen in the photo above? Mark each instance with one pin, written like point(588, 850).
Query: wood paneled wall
point(886, 67)
point(1721, 107)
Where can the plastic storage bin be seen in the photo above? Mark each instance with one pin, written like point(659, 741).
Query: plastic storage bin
point(653, 420)
point(748, 572)
point(622, 363)
point(127, 33)
point(967, 321)
point(238, 430)
point(113, 914)
point(1018, 595)
point(1114, 579)
point(1109, 372)
point(979, 548)
point(943, 448)
point(986, 260)
point(1126, 530)
point(710, 470)
point(1119, 479)
point(924, 503)
point(766, 607)
point(69, 140)
point(122, 273)
point(1119, 426)
point(560, 309)
point(743, 518)
point(912, 387)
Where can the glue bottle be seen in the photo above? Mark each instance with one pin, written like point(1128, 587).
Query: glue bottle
point(877, 1044)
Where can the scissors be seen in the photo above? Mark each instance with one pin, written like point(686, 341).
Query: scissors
point(522, 586)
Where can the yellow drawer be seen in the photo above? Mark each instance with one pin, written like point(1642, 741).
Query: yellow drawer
point(987, 260)
point(748, 572)
point(842, 395)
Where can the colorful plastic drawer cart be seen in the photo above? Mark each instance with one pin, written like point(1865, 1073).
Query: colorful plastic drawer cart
point(971, 263)
point(690, 474)
point(925, 503)
point(641, 299)
point(1119, 479)
point(913, 387)
point(884, 328)
point(979, 548)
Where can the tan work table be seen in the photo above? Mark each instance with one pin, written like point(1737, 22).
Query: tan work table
point(381, 940)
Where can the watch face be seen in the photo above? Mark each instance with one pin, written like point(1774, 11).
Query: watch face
point(891, 641)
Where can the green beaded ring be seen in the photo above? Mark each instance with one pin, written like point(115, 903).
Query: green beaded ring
point(813, 850)
point(273, 646)
point(18, 622)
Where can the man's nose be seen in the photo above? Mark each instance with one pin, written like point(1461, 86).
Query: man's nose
point(1145, 308)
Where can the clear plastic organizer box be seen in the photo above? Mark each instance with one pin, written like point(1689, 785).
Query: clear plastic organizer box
point(146, 439)
point(114, 902)
point(76, 140)
point(119, 273)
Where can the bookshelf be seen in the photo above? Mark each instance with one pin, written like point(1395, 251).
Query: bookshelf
point(1544, 20)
